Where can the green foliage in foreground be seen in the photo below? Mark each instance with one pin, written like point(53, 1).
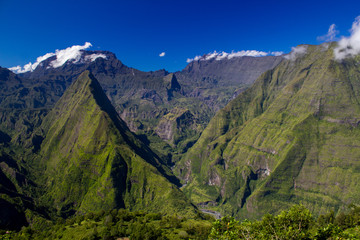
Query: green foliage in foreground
point(296, 223)
point(115, 224)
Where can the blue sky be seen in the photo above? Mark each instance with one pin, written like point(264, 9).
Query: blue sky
point(138, 31)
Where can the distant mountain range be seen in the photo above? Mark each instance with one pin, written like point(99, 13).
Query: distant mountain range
point(149, 102)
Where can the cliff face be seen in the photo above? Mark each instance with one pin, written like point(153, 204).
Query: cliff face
point(234, 71)
point(177, 124)
point(290, 138)
point(205, 79)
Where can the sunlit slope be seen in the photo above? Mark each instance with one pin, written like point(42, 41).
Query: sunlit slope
point(91, 161)
point(292, 137)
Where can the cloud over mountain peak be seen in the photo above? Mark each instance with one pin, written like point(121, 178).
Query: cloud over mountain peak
point(73, 53)
point(224, 55)
point(349, 46)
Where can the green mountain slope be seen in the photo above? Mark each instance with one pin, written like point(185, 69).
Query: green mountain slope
point(292, 137)
point(91, 161)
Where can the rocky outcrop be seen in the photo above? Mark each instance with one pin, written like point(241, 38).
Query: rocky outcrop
point(172, 85)
point(175, 124)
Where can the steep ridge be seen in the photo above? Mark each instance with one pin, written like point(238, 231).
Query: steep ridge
point(293, 137)
point(234, 71)
point(90, 160)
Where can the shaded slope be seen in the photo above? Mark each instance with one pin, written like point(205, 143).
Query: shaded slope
point(18, 92)
point(292, 137)
point(13, 202)
point(92, 161)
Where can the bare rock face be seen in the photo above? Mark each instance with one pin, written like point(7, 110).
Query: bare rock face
point(151, 95)
point(206, 79)
point(234, 71)
point(165, 129)
point(171, 82)
point(176, 122)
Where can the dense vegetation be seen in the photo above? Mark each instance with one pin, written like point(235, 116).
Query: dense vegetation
point(83, 158)
point(115, 224)
point(293, 137)
point(296, 223)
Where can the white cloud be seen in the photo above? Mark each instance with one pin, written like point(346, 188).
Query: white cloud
point(296, 52)
point(250, 53)
point(224, 55)
point(196, 58)
point(331, 34)
point(31, 66)
point(94, 56)
point(162, 54)
point(349, 46)
point(277, 53)
point(70, 53)
point(16, 69)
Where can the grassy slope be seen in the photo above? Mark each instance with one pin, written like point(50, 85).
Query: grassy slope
point(91, 160)
point(292, 137)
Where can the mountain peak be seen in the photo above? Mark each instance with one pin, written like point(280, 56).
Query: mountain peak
point(172, 82)
point(87, 83)
point(72, 55)
point(5, 73)
point(81, 57)
point(84, 91)
point(85, 139)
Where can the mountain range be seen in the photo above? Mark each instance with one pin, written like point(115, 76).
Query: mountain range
point(243, 136)
point(156, 105)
